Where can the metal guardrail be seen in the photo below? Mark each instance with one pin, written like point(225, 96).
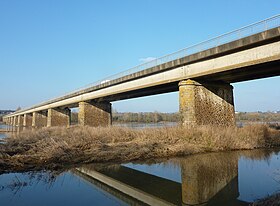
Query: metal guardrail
point(249, 30)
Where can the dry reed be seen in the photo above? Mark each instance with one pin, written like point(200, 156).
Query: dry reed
point(57, 147)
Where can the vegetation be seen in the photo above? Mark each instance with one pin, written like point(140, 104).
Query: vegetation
point(257, 117)
point(53, 147)
point(140, 117)
point(273, 200)
point(145, 117)
point(155, 117)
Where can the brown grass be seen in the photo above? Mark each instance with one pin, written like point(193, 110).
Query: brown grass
point(273, 200)
point(54, 147)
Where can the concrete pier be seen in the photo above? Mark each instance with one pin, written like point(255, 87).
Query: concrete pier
point(207, 103)
point(59, 117)
point(20, 121)
point(95, 114)
point(15, 121)
point(27, 120)
point(39, 119)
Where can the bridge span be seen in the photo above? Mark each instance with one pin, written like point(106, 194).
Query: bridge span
point(202, 74)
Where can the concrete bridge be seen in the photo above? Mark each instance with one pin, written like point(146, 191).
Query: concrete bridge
point(202, 74)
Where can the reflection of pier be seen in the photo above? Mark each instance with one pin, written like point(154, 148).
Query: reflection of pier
point(210, 179)
point(207, 179)
point(132, 186)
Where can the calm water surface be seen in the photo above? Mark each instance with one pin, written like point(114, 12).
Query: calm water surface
point(137, 125)
point(2, 135)
point(228, 178)
point(3, 126)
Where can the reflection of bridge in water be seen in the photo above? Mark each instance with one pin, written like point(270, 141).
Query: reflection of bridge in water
point(209, 179)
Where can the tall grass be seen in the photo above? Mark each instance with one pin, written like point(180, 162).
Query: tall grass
point(57, 146)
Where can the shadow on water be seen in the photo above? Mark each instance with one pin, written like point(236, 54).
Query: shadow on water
point(204, 179)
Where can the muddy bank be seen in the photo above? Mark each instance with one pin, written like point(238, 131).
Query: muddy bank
point(51, 148)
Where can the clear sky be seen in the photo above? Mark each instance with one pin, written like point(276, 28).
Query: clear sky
point(51, 47)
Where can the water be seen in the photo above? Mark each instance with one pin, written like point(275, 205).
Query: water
point(137, 125)
point(2, 135)
point(3, 126)
point(229, 178)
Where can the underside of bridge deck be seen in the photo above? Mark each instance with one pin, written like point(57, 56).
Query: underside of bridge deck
point(39, 119)
point(95, 113)
point(59, 117)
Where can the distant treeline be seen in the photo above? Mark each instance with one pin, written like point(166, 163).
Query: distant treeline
point(145, 117)
point(257, 117)
point(154, 117)
point(141, 117)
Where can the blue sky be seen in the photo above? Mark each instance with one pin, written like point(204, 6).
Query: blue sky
point(52, 47)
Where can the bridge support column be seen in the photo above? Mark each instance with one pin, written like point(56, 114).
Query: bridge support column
point(95, 114)
point(39, 119)
point(207, 103)
point(15, 121)
point(27, 120)
point(20, 120)
point(59, 117)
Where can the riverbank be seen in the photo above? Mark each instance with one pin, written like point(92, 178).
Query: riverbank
point(273, 200)
point(57, 147)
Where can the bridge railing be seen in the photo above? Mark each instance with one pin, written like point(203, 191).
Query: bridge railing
point(251, 29)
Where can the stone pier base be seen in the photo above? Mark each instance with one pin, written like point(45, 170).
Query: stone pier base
point(207, 103)
point(95, 114)
point(20, 120)
point(15, 121)
point(27, 120)
point(39, 119)
point(59, 117)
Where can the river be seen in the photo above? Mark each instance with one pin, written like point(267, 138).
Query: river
point(225, 178)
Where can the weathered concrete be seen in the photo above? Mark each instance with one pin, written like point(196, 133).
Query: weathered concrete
point(39, 119)
point(20, 121)
point(206, 103)
point(95, 114)
point(27, 120)
point(59, 117)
